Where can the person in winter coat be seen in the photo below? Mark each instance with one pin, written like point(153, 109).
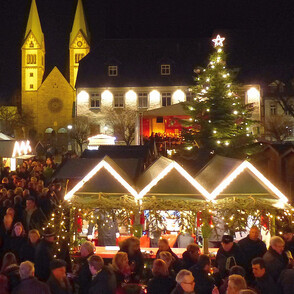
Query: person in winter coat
point(289, 240)
point(190, 256)
point(5, 233)
point(28, 251)
point(204, 282)
point(17, 240)
point(33, 217)
point(161, 281)
point(58, 282)
point(251, 247)
point(132, 247)
point(263, 282)
point(103, 279)
point(185, 283)
point(234, 270)
point(275, 258)
point(228, 255)
point(29, 284)
point(44, 254)
point(84, 275)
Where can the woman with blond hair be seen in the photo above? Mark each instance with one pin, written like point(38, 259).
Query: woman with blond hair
point(131, 246)
point(169, 260)
point(121, 268)
point(161, 281)
point(236, 284)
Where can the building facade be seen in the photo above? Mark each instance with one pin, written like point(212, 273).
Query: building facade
point(144, 75)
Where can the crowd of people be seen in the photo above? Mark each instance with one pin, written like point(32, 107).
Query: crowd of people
point(31, 262)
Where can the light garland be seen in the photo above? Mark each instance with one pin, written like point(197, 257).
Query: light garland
point(218, 41)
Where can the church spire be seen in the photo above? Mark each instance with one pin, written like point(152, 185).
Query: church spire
point(34, 25)
point(79, 24)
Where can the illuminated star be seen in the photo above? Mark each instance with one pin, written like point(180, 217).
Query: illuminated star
point(218, 41)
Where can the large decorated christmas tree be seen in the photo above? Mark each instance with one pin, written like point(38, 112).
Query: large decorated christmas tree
point(220, 120)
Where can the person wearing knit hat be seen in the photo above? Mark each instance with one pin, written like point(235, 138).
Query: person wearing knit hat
point(58, 282)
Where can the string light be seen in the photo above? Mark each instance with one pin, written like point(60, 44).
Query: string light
point(218, 41)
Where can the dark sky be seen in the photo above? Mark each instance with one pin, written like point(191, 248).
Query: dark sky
point(260, 34)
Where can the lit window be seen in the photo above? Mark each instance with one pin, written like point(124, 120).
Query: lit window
point(31, 59)
point(31, 86)
point(78, 57)
point(31, 74)
point(112, 70)
point(273, 109)
point(95, 100)
point(143, 100)
point(165, 69)
point(166, 99)
point(119, 101)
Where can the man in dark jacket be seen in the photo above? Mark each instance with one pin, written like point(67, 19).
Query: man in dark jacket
point(275, 258)
point(185, 283)
point(33, 217)
point(289, 239)
point(190, 257)
point(263, 283)
point(29, 284)
point(84, 275)
point(58, 282)
point(103, 280)
point(44, 254)
point(228, 255)
point(251, 247)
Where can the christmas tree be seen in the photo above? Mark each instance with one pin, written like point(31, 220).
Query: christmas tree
point(220, 120)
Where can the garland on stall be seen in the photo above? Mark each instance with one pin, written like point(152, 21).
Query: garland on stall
point(232, 212)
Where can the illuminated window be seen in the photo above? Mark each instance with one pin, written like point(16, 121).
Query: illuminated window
point(31, 74)
point(119, 101)
point(112, 70)
point(273, 109)
point(166, 99)
point(143, 100)
point(78, 57)
point(95, 100)
point(31, 86)
point(31, 59)
point(165, 69)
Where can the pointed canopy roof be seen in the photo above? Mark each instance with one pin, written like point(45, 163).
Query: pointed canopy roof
point(33, 24)
point(79, 23)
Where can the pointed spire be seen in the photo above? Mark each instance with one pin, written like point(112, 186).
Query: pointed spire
point(34, 24)
point(79, 23)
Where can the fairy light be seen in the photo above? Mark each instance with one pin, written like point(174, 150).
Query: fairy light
point(218, 41)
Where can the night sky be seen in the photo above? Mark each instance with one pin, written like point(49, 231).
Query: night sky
point(260, 34)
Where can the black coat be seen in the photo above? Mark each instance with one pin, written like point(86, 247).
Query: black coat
point(28, 252)
point(187, 261)
point(178, 290)
point(275, 263)
point(4, 239)
point(44, 254)
point(287, 281)
point(266, 285)
point(251, 249)
point(103, 283)
point(12, 274)
point(204, 284)
point(37, 220)
point(226, 259)
point(84, 276)
point(15, 246)
point(162, 285)
point(31, 286)
point(56, 288)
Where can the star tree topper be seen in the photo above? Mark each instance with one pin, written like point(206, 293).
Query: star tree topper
point(218, 41)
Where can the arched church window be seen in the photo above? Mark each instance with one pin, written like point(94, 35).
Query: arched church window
point(31, 59)
point(78, 57)
point(49, 131)
point(62, 131)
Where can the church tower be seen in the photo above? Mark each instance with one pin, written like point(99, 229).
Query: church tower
point(79, 43)
point(32, 60)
